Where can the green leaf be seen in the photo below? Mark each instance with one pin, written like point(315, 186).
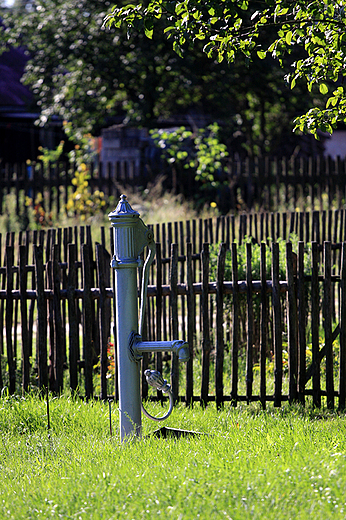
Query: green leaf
point(289, 37)
point(261, 54)
point(323, 88)
point(331, 101)
point(177, 49)
point(148, 28)
point(169, 29)
point(283, 11)
point(220, 57)
point(181, 7)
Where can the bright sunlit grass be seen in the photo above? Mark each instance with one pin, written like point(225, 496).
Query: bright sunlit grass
point(286, 463)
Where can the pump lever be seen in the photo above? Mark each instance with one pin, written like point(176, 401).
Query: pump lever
point(145, 277)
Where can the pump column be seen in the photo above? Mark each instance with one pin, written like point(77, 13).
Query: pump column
point(129, 240)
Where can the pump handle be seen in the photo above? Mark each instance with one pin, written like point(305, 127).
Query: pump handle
point(145, 277)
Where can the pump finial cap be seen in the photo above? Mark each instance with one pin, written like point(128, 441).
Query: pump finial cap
point(123, 209)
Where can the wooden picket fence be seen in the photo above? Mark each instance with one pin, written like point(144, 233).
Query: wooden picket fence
point(274, 337)
point(266, 183)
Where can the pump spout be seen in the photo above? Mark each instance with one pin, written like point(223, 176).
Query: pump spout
point(182, 350)
point(137, 347)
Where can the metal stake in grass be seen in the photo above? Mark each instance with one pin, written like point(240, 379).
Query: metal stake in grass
point(110, 417)
point(48, 417)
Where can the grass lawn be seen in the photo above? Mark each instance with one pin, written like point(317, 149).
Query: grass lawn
point(286, 463)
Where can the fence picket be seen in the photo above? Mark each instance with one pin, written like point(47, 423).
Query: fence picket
point(328, 336)
point(191, 323)
point(315, 323)
point(72, 317)
point(58, 365)
point(250, 324)
point(219, 359)
point(87, 321)
point(41, 318)
point(292, 322)
point(301, 324)
point(174, 318)
point(23, 278)
point(158, 314)
point(235, 324)
point(342, 352)
point(263, 325)
point(277, 325)
point(104, 325)
point(9, 320)
point(205, 325)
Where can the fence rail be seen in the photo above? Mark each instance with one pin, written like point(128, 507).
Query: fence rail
point(264, 323)
point(242, 184)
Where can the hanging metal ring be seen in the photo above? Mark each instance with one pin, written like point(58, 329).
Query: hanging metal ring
point(155, 379)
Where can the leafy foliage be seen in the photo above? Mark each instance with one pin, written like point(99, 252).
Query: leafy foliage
point(255, 259)
point(94, 78)
point(83, 202)
point(227, 28)
point(200, 151)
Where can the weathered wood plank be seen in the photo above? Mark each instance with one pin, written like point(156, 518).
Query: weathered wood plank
point(263, 325)
point(292, 322)
point(174, 318)
point(191, 324)
point(23, 279)
point(250, 323)
point(58, 364)
point(219, 359)
point(41, 318)
point(205, 325)
point(9, 320)
point(72, 317)
point(102, 320)
point(301, 324)
point(235, 331)
point(158, 314)
point(277, 326)
point(342, 373)
point(327, 289)
point(87, 322)
point(315, 323)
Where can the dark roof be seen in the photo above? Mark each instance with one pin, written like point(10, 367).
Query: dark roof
point(12, 92)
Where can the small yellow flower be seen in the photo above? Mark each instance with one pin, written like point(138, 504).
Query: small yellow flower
point(213, 205)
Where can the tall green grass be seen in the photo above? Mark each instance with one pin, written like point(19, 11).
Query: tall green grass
point(248, 463)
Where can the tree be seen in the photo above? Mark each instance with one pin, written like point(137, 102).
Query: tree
point(93, 78)
point(228, 28)
point(88, 76)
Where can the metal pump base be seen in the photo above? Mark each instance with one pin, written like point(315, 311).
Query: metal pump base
point(168, 433)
